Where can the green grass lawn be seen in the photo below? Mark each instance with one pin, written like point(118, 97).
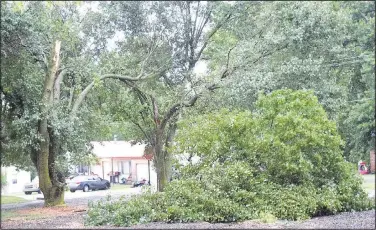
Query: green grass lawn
point(12, 200)
point(369, 182)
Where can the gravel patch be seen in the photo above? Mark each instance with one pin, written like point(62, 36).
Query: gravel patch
point(348, 220)
point(355, 220)
point(72, 221)
point(206, 225)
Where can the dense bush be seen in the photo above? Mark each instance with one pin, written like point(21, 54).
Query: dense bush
point(281, 161)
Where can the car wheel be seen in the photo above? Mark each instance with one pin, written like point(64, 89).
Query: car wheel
point(72, 190)
point(86, 188)
point(107, 186)
point(27, 193)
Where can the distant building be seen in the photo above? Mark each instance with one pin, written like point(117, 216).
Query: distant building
point(122, 160)
point(15, 179)
point(119, 160)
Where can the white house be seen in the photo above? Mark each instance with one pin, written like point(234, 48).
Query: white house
point(121, 159)
point(15, 179)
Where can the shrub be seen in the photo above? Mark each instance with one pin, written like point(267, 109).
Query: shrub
point(267, 217)
point(281, 161)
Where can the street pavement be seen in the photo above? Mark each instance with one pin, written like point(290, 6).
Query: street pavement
point(72, 199)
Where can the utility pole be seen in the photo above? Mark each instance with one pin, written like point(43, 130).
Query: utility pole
point(112, 171)
point(149, 170)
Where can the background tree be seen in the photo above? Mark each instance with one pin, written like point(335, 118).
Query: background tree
point(330, 50)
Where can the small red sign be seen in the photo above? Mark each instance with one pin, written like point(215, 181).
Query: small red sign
point(148, 156)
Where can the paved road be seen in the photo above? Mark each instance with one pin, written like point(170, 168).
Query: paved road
point(71, 199)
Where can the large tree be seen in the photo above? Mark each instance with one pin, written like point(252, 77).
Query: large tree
point(46, 76)
point(249, 47)
point(182, 30)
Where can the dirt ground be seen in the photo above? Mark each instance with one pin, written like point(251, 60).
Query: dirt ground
point(73, 218)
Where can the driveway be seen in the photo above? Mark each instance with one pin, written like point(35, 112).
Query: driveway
point(71, 199)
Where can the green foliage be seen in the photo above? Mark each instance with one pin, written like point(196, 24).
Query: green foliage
point(329, 49)
point(265, 46)
point(357, 125)
point(267, 217)
point(26, 41)
point(281, 161)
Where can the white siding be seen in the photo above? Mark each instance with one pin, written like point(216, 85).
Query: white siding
point(142, 172)
point(16, 180)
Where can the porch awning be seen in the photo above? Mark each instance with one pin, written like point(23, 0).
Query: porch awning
point(108, 149)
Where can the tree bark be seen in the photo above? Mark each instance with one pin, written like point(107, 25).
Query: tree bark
point(53, 192)
point(160, 160)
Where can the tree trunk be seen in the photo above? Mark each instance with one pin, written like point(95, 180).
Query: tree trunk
point(162, 178)
point(52, 190)
point(160, 160)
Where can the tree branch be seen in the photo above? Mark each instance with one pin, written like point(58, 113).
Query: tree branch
point(83, 94)
point(202, 25)
point(193, 29)
point(142, 130)
point(141, 95)
point(155, 111)
point(176, 107)
point(139, 126)
point(57, 83)
point(142, 98)
point(225, 72)
point(206, 42)
point(71, 94)
point(263, 55)
point(170, 134)
point(212, 87)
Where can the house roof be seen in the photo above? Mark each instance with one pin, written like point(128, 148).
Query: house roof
point(106, 149)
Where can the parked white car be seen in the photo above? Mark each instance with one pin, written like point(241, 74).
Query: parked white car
point(32, 187)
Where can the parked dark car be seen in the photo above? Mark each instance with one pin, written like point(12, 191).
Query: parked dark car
point(86, 183)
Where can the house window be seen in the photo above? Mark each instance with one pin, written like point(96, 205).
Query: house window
point(14, 178)
point(82, 169)
point(124, 167)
